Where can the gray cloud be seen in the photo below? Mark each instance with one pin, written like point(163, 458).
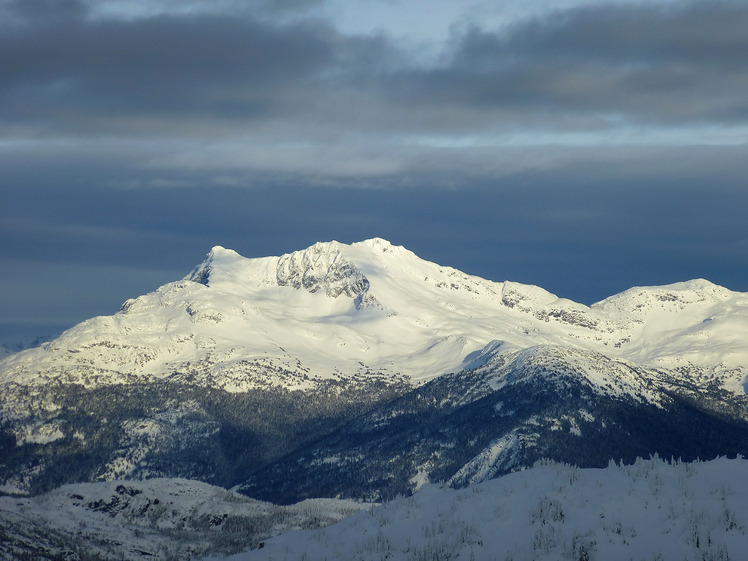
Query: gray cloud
point(41, 12)
point(72, 73)
point(672, 64)
point(596, 67)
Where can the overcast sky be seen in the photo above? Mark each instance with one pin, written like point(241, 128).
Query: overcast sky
point(585, 147)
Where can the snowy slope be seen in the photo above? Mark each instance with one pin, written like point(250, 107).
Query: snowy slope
point(336, 311)
point(651, 510)
point(156, 519)
point(518, 407)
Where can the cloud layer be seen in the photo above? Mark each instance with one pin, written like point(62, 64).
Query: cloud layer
point(595, 67)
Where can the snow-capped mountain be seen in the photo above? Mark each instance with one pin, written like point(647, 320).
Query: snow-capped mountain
point(322, 356)
point(333, 311)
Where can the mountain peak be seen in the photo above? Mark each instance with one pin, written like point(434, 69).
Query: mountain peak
point(218, 256)
point(641, 299)
point(323, 267)
point(327, 267)
point(334, 247)
point(378, 306)
point(218, 252)
point(377, 243)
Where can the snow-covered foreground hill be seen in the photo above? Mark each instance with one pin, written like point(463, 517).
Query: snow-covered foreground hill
point(651, 510)
point(159, 519)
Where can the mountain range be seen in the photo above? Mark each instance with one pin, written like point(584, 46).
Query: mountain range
point(364, 372)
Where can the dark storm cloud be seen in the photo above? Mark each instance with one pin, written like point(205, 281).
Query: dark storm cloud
point(597, 66)
point(72, 72)
point(674, 62)
point(581, 234)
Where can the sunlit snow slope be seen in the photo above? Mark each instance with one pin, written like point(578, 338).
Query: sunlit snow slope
point(377, 310)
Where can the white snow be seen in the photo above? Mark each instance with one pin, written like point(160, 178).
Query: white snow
point(371, 308)
point(651, 510)
point(40, 434)
point(157, 519)
point(602, 374)
point(497, 456)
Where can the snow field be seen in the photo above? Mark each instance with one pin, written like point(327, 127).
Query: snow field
point(649, 511)
point(158, 519)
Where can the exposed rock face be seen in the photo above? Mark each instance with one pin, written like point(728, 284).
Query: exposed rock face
point(322, 267)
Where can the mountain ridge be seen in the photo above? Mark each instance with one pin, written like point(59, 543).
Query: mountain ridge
point(367, 371)
point(373, 289)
